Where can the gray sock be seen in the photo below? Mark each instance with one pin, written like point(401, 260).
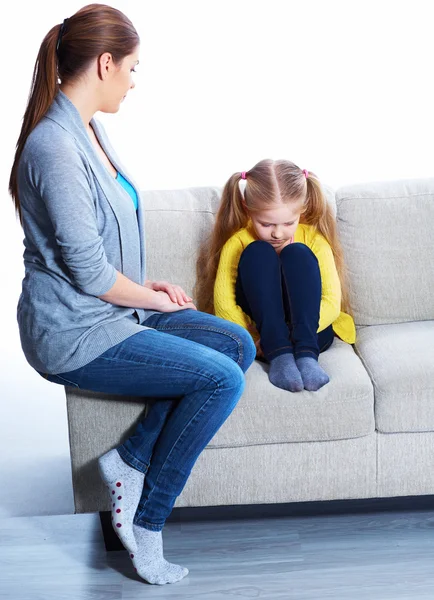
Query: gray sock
point(125, 486)
point(149, 561)
point(285, 374)
point(314, 377)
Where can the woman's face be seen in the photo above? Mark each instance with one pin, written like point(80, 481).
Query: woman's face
point(118, 81)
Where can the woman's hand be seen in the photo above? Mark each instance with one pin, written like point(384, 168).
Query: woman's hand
point(175, 292)
point(152, 295)
point(164, 303)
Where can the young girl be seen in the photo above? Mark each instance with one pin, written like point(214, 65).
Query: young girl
point(275, 266)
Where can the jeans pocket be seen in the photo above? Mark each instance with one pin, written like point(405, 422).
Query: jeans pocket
point(58, 379)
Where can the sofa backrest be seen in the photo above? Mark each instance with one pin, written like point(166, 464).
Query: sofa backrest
point(176, 223)
point(386, 230)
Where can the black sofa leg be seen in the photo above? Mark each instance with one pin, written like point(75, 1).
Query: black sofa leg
point(111, 540)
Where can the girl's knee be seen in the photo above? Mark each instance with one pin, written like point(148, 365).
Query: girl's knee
point(258, 248)
point(298, 250)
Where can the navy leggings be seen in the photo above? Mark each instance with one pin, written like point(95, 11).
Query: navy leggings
point(282, 294)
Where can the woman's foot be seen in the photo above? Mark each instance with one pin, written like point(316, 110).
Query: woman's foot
point(314, 377)
point(284, 373)
point(149, 561)
point(125, 486)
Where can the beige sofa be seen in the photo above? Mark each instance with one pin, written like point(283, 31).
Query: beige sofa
point(369, 433)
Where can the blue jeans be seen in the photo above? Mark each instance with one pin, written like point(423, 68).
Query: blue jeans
point(191, 364)
point(282, 294)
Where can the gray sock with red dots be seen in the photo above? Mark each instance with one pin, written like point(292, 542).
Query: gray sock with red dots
point(149, 561)
point(125, 486)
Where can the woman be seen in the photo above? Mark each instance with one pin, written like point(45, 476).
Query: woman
point(88, 317)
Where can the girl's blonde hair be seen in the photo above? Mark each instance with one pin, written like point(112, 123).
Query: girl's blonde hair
point(268, 183)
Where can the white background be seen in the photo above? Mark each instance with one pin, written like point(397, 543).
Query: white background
point(342, 88)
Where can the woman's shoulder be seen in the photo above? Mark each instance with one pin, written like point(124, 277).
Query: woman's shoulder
point(48, 136)
point(49, 147)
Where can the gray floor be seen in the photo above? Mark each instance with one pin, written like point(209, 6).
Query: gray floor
point(377, 556)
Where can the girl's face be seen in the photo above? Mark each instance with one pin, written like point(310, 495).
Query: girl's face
point(277, 223)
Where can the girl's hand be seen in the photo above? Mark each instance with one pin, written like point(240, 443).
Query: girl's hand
point(175, 292)
point(259, 353)
point(254, 333)
point(165, 304)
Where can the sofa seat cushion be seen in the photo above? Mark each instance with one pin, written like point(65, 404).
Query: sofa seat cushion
point(400, 361)
point(265, 414)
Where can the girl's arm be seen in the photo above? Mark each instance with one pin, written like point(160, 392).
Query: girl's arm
point(330, 308)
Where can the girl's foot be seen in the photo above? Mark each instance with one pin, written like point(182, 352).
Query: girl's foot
point(284, 373)
point(314, 377)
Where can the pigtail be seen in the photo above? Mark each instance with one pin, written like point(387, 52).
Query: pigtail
point(319, 213)
point(230, 217)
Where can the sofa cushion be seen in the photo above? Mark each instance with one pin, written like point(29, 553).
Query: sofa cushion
point(386, 233)
point(400, 361)
point(268, 415)
point(177, 222)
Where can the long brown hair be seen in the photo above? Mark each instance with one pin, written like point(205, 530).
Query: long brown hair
point(267, 183)
point(93, 30)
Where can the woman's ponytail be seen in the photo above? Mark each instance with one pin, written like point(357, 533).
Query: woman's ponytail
point(43, 90)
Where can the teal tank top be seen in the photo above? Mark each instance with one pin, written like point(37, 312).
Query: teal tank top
point(129, 188)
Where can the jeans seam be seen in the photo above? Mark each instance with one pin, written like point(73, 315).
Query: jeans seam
point(278, 350)
point(209, 376)
point(306, 350)
point(173, 447)
point(211, 329)
point(132, 460)
point(326, 345)
point(63, 382)
point(151, 526)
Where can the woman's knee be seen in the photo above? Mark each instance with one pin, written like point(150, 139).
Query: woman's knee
point(243, 342)
point(247, 348)
point(225, 373)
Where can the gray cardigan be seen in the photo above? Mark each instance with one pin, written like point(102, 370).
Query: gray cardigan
point(80, 226)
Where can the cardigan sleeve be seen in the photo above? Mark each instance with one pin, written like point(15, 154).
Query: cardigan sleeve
point(225, 305)
point(61, 180)
point(330, 307)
